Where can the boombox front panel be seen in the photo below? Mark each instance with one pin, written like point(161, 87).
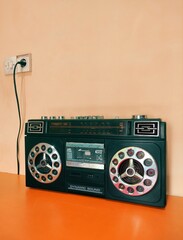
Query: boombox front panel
point(127, 164)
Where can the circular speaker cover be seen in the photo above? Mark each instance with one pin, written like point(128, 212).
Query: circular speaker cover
point(133, 171)
point(44, 163)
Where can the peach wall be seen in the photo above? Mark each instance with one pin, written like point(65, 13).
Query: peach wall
point(99, 57)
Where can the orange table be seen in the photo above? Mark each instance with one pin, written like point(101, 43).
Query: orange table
point(27, 213)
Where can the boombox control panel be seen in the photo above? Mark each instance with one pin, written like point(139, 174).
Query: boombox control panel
point(119, 159)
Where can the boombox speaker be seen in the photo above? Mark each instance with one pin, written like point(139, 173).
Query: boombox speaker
point(119, 159)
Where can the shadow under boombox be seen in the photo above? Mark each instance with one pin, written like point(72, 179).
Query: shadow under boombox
point(120, 159)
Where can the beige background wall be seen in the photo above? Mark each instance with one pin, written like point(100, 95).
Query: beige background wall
point(99, 57)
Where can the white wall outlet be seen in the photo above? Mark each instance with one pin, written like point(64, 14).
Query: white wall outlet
point(28, 66)
point(9, 64)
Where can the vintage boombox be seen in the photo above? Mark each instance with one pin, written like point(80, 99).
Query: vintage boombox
point(120, 159)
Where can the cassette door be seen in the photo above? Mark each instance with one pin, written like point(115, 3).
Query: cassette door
point(45, 163)
point(136, 171)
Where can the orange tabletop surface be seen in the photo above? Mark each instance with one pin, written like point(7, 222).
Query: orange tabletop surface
point(28, 213)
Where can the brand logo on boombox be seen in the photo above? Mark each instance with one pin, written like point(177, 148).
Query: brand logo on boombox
point(120, 159)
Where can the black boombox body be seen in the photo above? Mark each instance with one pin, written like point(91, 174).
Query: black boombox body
point(121, 159)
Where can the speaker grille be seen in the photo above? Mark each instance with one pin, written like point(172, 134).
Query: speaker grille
point(138, 168)
point(133, 171)
point(44, 163)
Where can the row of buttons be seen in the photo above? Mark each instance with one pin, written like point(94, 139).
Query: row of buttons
point(76, 117)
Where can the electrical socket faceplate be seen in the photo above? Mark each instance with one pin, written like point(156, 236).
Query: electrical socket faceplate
point(10, 62)
point(28, 66)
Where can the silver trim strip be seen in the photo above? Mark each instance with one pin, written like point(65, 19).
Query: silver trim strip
point(84, 165)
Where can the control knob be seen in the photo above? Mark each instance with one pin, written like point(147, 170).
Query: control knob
point(139, 116)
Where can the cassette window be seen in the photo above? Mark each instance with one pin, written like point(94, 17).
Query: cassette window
point(85, 155)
